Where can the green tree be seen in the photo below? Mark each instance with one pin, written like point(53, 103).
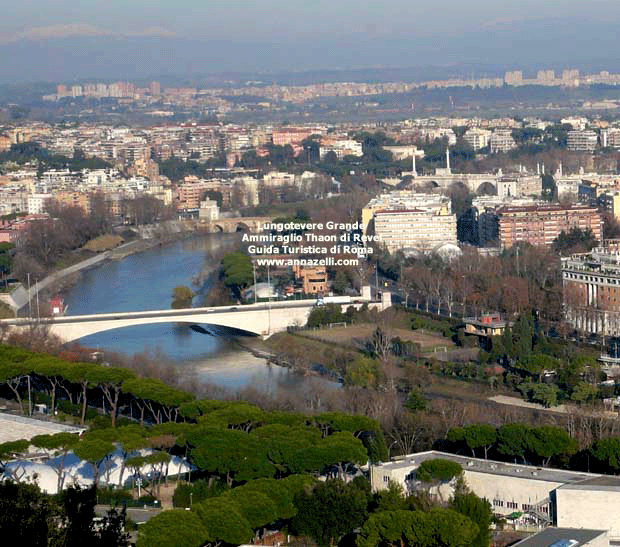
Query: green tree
point(607, 451)
point(237, 271)
point(547, 442)
point(584, 393)
point(512, 440)
point(110, 380)
point(229, 453)
point(223, 521)
point(438, 471)
point(279, 493)
point(256, 507)
point(326, 314)
point(415, 402)
point(25, 514)
point(96, 452)
point(480, 436)
point(58, 447)
point(437, 528)
point(328, 512)
point(391, 499)
point(479, 511)
point(362, 372)
point(176, 528)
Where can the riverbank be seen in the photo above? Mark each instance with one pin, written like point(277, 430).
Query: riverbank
point(65, 278)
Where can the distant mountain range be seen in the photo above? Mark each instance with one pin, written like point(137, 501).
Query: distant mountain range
point(488, 50)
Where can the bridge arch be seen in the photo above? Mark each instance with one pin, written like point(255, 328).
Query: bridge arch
point(487, 188)
point(426, 185)
point(243, 227)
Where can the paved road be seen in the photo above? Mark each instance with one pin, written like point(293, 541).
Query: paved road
point(134, 513)
point(168, 312)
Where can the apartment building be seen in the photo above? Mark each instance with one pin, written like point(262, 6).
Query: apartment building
point(420, 230)
point(501, 141)
point(404, 199)
point(582, 141)
point(477, 138)
point(341, 147)
point(591, 283)
point(540, 225)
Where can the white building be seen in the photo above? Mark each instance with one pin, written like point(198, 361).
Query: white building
point(419, 230)
point(582, 141)
point(37, 203)
point(276, 178)
point(477, 138)
point(543, 496)
point(342, 148)
point(208, 211)
point(402, 152)
point(501, 141)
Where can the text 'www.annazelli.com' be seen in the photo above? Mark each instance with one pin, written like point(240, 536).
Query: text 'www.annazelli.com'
point(328, 261)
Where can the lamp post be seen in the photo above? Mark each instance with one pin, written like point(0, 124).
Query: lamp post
point(29, 303)
point(36, 290)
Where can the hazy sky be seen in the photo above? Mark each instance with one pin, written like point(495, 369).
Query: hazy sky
point(269, 19)
point(138, 38)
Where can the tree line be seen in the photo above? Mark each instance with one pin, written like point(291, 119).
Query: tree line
point(331, 512)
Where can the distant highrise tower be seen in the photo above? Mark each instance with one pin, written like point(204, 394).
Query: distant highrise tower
point(513, 78)
point(155, 89)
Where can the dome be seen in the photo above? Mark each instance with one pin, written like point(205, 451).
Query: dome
point(447, 251)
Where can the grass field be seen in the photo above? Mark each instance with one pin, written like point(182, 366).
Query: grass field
point(354, 335)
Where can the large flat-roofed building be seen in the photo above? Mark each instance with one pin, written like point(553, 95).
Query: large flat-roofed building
point(404, 199)
point(593, 503)
point(421, 230)
point(530, 495)
point(15, 428)
point(501, 141)
point(566, 537)
point(540, 225)
point(581, 141)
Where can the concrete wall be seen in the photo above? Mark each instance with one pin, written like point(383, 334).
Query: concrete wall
point(592, 509)
point(495, 488)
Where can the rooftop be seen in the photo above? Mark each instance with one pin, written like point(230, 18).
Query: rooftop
point(605, 482)
point(561, 537)
point(493, 467)
point(15, 428)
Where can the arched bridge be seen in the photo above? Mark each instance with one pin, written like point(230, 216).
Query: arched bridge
point(239, 224)
point(263, 318)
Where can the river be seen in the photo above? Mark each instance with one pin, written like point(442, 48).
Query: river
point(145, 281)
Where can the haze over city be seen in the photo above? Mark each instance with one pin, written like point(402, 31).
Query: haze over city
point(50, 41)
